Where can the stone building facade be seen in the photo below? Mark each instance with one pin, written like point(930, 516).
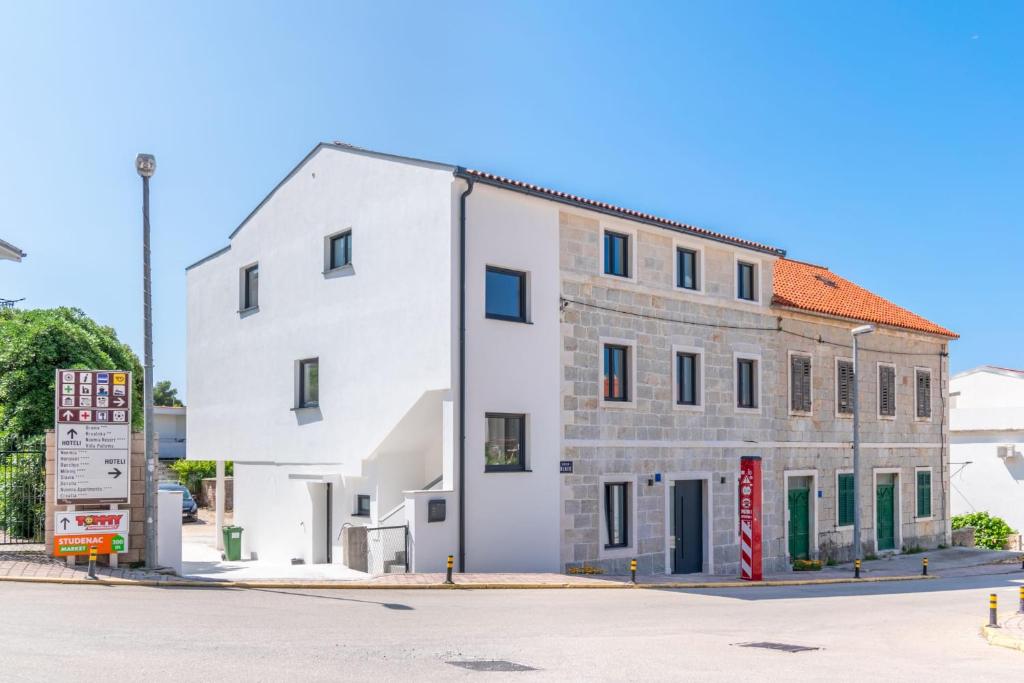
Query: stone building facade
point(654, 445)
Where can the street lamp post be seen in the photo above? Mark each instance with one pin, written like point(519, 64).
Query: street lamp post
point(145, 164)
point(858, 551)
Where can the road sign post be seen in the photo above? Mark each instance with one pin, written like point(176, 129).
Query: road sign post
point(93, 456)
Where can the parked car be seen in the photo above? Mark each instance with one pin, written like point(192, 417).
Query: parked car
point(189, 508)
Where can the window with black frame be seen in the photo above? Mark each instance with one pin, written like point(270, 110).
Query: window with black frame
point(362, 505)
point(687, 266)
point(616, 254)
point(746, 383)
point(340, 247)
point(616, 373)
point(687, 369)
point(309, 383)
point(251, 287)
point(616, 508)
point(505, 295)
point(746, 281)
point(505, 443)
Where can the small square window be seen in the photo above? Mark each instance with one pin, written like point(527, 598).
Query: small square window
point(746, 383)
point(250, 287)
point(505, 445)
point(746, 281)
point(616, 509)
point(616, 254)
point(309, 383)
point(340, 250)
point(362, 506)
point(688, 380)
point(616, 373)
point(687, 269)
point(505, 295)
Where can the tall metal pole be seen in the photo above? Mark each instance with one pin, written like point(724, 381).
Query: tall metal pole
point(858, 551)
point(146, 165)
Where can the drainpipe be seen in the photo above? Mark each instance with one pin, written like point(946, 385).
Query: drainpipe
point(462, 373)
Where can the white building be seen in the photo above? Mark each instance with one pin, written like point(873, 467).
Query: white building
point(170, 427)
point(328, 344)
point(987, 436)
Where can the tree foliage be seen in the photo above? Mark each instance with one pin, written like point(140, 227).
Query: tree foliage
point(989, 532)
point(33, 345)
point(191, 472)
point(165, 395)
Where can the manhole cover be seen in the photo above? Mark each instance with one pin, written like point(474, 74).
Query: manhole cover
point(491, 665)
point(782, 647)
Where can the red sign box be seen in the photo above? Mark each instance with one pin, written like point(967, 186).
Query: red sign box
point(750, 518)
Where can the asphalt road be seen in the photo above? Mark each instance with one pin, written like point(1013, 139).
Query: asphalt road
point(921, 631)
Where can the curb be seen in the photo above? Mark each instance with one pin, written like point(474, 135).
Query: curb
point(363, 585)
point(994, 636)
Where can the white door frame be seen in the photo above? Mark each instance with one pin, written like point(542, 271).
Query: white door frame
point(707, 491)
point(812, 509)
point(897, 507)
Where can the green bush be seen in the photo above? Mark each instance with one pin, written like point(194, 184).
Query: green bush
point(191, 472)
point(989, 532)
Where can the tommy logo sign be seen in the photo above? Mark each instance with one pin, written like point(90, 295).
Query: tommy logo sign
point(750, 518)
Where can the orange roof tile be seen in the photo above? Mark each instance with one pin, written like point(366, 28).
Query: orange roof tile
point(817, 289)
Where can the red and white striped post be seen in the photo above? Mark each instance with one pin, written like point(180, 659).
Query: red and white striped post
point(750, 518)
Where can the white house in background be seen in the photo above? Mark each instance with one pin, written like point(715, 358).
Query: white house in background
point(169, 424)
point(987, 443)
point(9, 252)
point(535, 381)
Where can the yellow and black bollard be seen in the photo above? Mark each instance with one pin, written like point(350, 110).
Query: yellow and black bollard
point(924, 567)
point(632, 570)
point(1021, 610)
point(993, 616)
point(451, 563)
point(856, 569)
point(92, 562)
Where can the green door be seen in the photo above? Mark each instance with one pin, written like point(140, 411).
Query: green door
point(799, 524)
point(886, 519)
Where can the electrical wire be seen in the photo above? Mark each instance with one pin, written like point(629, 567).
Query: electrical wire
point(750, 328)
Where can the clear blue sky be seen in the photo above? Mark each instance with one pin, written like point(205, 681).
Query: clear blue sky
point(883, 140)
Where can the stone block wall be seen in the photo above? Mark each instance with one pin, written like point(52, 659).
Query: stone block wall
point(653, 435)
point(136, 535)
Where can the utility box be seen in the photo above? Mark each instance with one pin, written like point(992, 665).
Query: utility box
point(436, 510)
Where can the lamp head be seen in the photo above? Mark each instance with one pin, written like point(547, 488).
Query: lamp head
point(863, 329)
point(145, 164)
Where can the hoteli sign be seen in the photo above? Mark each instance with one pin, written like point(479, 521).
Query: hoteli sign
point(94, 416)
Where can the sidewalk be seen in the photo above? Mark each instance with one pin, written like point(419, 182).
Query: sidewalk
point(1010, 633)
point(36, 566)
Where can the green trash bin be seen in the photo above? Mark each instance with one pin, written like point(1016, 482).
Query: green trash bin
point(232, 543)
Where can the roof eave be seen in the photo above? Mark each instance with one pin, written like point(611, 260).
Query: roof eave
point(465, 174)
point(952, 336)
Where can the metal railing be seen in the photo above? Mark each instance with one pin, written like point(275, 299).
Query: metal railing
point(387, 550)
point(22, 497)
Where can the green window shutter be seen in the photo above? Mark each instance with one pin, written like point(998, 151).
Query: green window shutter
point(845, 499)
point(924, 493)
